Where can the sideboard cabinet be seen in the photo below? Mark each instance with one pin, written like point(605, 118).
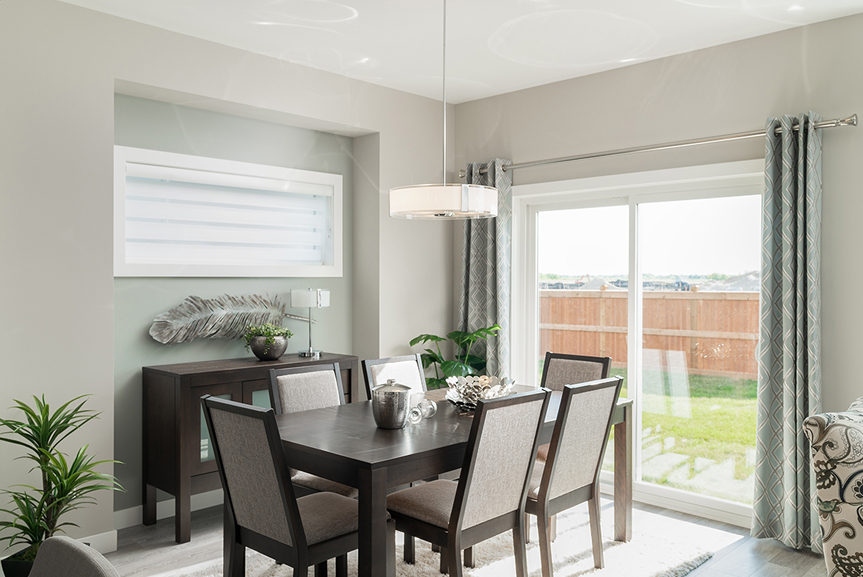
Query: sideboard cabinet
point(178, 456)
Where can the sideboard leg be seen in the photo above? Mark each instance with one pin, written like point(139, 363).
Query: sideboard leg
point(149, 504)
point(183, 518)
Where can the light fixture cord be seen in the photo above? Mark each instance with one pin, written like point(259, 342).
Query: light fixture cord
point(444, 91)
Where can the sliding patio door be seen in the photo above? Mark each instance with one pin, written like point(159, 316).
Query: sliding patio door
point(665, 280)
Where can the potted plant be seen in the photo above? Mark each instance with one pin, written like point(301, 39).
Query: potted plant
point(37, 512)
point(463, 364)
point(268, 341)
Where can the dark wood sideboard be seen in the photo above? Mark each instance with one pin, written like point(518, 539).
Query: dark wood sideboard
point(177, 456)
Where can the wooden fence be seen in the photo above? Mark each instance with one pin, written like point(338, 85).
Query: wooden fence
point(717, 331)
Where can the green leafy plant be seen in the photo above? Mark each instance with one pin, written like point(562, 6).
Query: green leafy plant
point(66, 485)
point(464, 362)
point(267, 330)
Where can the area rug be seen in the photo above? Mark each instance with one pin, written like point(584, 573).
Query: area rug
point(661, 547)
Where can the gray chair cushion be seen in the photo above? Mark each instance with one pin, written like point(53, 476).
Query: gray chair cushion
point(542, 452)
point(535, 480)
point(70, 558)
point(430, 502)
point(320, 484)
point(327, 516)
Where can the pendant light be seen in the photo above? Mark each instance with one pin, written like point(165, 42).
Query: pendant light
point(443, 201)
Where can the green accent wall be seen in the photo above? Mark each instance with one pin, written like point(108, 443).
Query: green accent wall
point(157, 125)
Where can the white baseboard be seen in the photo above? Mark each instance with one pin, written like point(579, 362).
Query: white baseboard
point(103, 542)
point(135, 515)
point(698, 505)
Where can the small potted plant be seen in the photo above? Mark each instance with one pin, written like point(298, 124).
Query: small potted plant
point(66, 484)
point(268, 341)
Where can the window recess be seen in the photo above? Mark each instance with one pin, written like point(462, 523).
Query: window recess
point(183, 215)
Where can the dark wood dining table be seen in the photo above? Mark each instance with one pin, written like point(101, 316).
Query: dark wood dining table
point(342, 443)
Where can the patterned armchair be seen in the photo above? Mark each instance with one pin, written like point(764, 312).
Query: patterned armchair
point(837, 461)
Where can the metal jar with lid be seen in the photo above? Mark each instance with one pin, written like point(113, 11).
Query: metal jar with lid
point(391, 405)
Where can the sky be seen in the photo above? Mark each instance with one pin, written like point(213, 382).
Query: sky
point(690, 237)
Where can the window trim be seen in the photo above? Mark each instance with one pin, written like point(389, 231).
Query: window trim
point(233, 172)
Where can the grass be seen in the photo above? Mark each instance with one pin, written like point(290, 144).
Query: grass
point(717, 423)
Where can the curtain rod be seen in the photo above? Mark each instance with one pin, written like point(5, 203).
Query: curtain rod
point(850, 121)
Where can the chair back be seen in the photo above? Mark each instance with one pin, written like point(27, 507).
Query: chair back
point(499, 458)
point(580, 436)
point(62, 555)
point(254, 473)
point(406, 370)
point(560, 370)
point(305, 388)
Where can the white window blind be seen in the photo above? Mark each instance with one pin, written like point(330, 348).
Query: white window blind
point(181, 215)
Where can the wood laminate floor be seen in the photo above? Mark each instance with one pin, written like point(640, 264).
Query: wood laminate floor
point(149, 551)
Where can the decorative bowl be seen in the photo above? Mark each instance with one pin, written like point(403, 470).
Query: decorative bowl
point(268, 352)
point(465, 392)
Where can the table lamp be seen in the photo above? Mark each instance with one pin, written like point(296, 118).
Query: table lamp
point(310, 298)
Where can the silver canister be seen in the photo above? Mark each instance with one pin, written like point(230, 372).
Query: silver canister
point(391, 404)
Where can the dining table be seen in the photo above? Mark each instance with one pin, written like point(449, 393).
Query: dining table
point(342, 443)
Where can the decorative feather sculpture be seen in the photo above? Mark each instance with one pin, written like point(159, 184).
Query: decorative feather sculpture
point(224, 317)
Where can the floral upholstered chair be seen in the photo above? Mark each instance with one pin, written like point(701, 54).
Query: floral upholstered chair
point(837, 460)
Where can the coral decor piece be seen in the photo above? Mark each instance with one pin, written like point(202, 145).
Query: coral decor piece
point(465, 392)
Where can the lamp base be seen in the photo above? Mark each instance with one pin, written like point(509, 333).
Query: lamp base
point(310, 354)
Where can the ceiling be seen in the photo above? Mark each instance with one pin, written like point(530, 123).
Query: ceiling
point(493, 46)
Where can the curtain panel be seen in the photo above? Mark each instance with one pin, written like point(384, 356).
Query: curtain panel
point(486, 269)
point(789, 367)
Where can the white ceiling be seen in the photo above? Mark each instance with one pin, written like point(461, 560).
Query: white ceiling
point(493, 46)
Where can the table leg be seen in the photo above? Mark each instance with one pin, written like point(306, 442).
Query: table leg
point(624, 438)
point(373, 558)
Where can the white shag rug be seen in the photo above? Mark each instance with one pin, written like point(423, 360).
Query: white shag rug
point(661, 547)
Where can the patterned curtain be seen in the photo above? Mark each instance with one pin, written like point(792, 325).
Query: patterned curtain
point(789, 367)
point(486, 269)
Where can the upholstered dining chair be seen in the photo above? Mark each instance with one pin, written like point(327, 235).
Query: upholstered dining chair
point(489, 497)
point(570, 473)
point(64, 556)
point(560, 370)
point(406, 370)
point(302, 389)
point(262, 511)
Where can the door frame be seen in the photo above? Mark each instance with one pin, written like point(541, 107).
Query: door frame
point(741, 178)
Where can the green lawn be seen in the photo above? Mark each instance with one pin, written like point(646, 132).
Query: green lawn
point(720, 425)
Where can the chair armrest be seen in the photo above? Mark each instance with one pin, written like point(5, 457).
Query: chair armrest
point(836, 441)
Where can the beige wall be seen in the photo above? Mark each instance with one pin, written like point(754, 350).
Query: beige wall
point(719, 90)
point(60, 64)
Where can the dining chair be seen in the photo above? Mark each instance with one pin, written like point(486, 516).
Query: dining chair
point(489, 497)
point(304, 389)
point(406, 370)
point(559, 370)
point(570, 474)
point(61, 555)
point(262, 511)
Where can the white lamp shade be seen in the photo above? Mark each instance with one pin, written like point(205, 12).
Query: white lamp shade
point(310, 298)
point(443, 201)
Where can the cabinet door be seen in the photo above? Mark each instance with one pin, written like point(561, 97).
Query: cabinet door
point(203, 458)
point(257, 393)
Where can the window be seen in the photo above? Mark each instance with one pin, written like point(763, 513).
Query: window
point(659, 271)
point(182, 215)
